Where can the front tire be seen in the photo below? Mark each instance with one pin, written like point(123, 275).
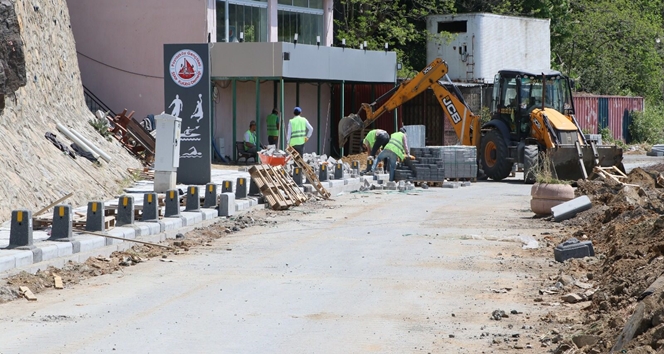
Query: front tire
point(530, 161)
point(494, 156)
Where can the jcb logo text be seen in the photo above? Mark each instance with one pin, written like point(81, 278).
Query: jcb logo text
point(456, 118)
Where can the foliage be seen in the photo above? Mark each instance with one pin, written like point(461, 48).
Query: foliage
point(545, 173)
point(648, 126)
point(606, 46)
point(399, 23)
point(101, 127)
point(607, 138)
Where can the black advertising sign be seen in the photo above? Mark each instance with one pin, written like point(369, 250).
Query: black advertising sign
point(187, 96)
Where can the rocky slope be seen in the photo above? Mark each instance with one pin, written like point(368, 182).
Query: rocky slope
point(40, 85)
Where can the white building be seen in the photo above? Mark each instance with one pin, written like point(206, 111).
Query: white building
point(481, 44)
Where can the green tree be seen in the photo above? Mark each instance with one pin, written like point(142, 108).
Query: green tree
point(400, 23)
point(611, 47)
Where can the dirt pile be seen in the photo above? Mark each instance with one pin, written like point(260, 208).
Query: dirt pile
point(362, 157)
point(74, 273)
point(626, 227)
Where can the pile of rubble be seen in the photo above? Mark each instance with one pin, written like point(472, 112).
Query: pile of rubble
point(624, 299)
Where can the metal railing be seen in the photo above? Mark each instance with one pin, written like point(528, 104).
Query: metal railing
point(95, 104)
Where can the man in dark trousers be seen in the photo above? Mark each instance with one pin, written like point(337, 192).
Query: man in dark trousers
point(299, 131)
point(375, 139)
point(273, 127)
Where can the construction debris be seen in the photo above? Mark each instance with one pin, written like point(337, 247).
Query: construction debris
point(626, 228)
point(133, 136)
point(25, 291)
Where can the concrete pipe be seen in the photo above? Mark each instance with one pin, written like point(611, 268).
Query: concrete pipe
point(76, 140)
point(92, 146)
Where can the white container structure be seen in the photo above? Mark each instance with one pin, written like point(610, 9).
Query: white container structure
point(167, 154)
point(482, 44)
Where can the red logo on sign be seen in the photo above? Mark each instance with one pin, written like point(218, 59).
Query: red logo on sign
point(186, 68)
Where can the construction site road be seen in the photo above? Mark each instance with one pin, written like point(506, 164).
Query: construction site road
point(383, 272)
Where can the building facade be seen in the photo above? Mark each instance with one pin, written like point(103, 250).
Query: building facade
point(120, 43)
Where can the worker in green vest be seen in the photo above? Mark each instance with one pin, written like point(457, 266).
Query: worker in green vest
point(375, 140)
point(250, 140)
point(299, 131)
point(273, 127)
point(396, 150)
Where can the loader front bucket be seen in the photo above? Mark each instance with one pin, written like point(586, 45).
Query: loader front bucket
point(348, 125)
point(565, 160)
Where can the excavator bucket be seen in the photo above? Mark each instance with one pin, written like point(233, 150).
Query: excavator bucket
point(348, 125)
point(567, 162)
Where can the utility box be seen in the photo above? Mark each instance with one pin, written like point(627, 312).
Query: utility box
point(167, 154)
point(481, 44)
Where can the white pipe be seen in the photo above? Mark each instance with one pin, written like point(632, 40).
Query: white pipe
point(92, 146)
point(76, 140)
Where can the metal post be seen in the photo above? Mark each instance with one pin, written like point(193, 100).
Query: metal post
point(318, 127)
point(343, 106)
point(226, 22)
point(258, 113)
point(283, 125)
point(234, 104)
point(275, 99)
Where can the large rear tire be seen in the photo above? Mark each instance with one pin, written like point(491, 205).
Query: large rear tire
point(530, 162)
point(494, 156)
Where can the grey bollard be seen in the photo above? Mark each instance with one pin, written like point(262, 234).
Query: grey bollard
point(226, 204)
point(227, 187)
point(172, 202)
point(125, 214)
point(193, 200)
point(253, 188)
point(210, 196)
point(61, 229)
point(241, 188)
point(150, 207)
point(322, 173)
point(297, 176)
point(20, 234)
point(94, 219)
point(339, 171)
point(369, 163)
point(355, 165)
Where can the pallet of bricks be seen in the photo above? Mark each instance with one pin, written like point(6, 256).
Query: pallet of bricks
point(434, 164)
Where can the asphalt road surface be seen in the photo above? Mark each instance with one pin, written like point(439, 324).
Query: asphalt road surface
point(368, 272)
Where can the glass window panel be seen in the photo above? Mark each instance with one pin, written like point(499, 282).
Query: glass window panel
point(285, 2)
point(316, 4)
point(221, 21)
point(301, 3)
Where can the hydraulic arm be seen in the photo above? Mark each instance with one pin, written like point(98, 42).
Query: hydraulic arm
point(466, 125)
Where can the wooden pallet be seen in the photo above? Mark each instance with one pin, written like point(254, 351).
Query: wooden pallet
point(289, 182)
point(474, 179)
point(272, 184)
point(109, 223)
point(309, 172)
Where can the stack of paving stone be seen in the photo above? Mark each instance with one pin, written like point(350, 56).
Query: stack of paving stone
point(429, 165)
point(459, 161)
point(435, 163)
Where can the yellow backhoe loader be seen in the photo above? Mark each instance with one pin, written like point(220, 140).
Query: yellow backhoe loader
point(532, 114)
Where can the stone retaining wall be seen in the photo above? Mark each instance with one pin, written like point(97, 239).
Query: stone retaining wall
point(33, 172)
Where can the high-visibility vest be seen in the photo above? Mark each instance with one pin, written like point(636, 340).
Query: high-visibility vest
point(298, 131)
point(272, 125)
point(396, 144)
point(252, 139)
point(370, 139)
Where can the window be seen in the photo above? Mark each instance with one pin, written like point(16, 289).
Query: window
point(307, 26)
point(452, 26)
point(312, 4)
point(248, 17)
